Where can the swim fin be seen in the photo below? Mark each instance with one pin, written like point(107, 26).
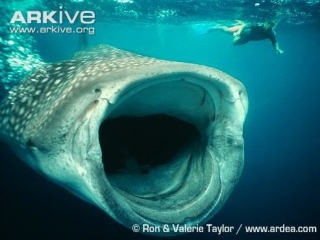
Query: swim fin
point(200, 29)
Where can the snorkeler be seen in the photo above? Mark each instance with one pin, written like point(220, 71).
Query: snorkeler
point(244, 33)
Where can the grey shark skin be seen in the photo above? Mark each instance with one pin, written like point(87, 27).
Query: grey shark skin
point(52, 122)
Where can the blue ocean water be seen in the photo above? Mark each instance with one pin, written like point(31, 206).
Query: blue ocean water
point(280, 180)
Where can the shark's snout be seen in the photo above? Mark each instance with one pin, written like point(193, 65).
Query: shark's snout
point(171, 142)
point(145, 140)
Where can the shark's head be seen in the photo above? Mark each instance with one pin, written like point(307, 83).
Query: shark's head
point(147, 141)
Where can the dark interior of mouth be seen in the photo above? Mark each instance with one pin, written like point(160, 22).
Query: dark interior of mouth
point(137, 144)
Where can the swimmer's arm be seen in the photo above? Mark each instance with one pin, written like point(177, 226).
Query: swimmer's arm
point(278, 50)
point(275, 44)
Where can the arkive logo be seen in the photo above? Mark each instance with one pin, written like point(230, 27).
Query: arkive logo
point(54, 17)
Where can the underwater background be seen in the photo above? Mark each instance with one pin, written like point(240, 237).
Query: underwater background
point(281, 178)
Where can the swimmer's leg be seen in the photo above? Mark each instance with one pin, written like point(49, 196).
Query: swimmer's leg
point(236, 30)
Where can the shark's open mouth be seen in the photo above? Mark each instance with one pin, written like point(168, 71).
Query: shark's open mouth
point(155, 148)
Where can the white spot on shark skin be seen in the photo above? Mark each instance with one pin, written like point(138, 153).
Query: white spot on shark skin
point(16, 127)
point(84, 79)
point(29, 116)
point(5, 121)
point(44, 80)
point(56, 104)
point(21, 111)
point(34, 103)
point(77, 84)
point(63, 96)
point(23, 99)
point(56, 82)
point(12, 120)
point(29, 102)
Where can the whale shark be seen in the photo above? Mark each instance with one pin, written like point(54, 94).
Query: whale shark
point(147, 141)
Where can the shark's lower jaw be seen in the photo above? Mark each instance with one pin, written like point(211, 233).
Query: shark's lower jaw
point(159, 143)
